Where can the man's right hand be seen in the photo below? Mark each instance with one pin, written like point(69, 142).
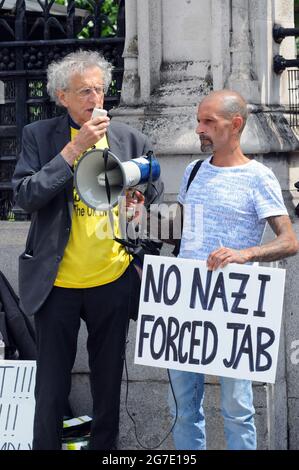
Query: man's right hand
point(89, 134)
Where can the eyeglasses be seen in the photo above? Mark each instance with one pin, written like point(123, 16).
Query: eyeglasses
point(86, 92)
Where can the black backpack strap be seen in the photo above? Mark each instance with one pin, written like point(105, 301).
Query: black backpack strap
point(194, 170)
point(193, 173)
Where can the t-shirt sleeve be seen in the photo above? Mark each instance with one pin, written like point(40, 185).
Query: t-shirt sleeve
point(268, 198)
point(183, 187)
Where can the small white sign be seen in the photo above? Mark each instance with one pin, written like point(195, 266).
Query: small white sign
point(224, 322)
point(17, 403)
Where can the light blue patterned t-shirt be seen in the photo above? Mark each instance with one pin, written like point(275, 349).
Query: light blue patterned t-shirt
point(227, 206)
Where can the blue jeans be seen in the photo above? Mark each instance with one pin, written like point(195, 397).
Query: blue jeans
point(237, 409)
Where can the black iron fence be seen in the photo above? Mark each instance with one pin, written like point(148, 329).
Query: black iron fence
point(293, 85)
point(29, 41)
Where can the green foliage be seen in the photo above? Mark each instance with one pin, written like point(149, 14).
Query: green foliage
point(109, 9)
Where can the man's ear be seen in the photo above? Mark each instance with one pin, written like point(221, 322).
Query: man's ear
point(61, 95)
point(237, 124)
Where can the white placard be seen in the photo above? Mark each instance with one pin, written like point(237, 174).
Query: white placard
point(17, 381)
point(225, 323)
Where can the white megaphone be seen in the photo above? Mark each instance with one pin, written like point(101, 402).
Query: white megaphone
point(100, 176)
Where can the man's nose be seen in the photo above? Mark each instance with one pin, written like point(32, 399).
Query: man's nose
point(93, 98)
point(199, 129)
point(94, 101)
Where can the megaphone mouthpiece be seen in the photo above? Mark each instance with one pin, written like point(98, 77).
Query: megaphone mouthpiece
point(128, 174)
point(115, 177)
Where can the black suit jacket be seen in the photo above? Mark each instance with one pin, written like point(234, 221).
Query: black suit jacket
point(43, 186)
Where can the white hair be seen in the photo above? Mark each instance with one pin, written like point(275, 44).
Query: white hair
point(60, 72)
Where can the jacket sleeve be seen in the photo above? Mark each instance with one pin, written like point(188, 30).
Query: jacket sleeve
point(35, 185)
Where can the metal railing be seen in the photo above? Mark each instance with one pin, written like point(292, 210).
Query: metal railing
point(293, 86)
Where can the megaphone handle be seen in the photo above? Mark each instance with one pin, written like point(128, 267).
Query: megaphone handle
point(123, 242)
point(150, 178)
point(107, 184)
point(108, 192)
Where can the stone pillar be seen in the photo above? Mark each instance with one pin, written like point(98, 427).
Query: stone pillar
point(292, 350)
point(242, 77)
point(185, 45)
point(131, 82)
point(149, 46)
point(150, 58)
point(142, 51)
point(220, 40)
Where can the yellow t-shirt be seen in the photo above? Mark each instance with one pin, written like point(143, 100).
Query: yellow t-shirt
point(90, 260)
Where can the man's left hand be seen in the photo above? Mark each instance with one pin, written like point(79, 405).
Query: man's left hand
point(223, 256)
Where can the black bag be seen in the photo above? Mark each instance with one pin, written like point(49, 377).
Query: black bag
point(195, 169)
point(17, 330)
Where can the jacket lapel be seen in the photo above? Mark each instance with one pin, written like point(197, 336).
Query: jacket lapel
point(62, 137)
point(114, 142)
point(62, 133)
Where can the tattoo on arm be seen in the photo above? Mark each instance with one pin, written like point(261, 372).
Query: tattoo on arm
point(285, 244)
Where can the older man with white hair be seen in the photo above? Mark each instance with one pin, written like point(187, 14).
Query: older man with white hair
point(66, 271)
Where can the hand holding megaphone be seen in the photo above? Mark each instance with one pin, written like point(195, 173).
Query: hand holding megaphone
point(134, 199)
point(90, 133)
